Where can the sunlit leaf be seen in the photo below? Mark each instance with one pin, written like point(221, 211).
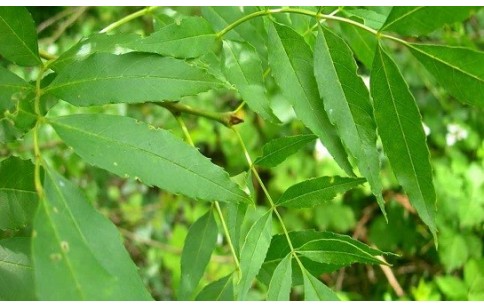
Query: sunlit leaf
point(130, 148)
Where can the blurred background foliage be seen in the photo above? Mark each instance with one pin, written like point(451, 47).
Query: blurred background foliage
point(155, 223)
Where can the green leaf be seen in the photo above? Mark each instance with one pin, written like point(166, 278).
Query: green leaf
point(254, 251)
point(315, 192)
point(277, 150)
point(370, 18)
point(476, 290)
point(12, 89)
point(243, 68)
point(128, 78)
point(315, 290)
point(281, 282)
point(339, 249)
point(17, 281)
point(473, 270)
point(77, 253)
point(199, 245)
point(418, 20)
point(361, 42)
point(95, 43)
point(454, 251)
point(220, 290)
point(347, 102)
point(18, 39)
point(127, 147)
point(18, 198)
point(459, 70)
point(190, 38)
point(235, 217)
point(402, 135)
point(290, 59)
point(453, 288)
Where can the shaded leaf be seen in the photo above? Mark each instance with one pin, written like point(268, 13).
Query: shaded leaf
point(347, 102)
point(290, 59)
point(220, 290)
point(314, 192)
point(243, 68)
point(16, 274)
point(77, 253)
point(127, 147)
point(199, 245)
point(402, 135)
point(18, 39)
point(277, 150)
point(254, 251)
point(418, 20)
point(18, 198)
point(12, 89)
point(459, 70)
point(129, 78)
point(281, 282)
point(362, 42)
point(316, 290)
point(235, 217)
point(95, 43)
point(190, 38)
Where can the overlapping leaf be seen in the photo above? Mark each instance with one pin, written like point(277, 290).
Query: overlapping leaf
point(281, 282)
point(17, 282)
point(243, 68)
point(77, 253)
point(190, 38)
point(235, 214)
point(18, 39)
point(18, 198)
point(315, 192)
point(347, 102)
point(459, 70)
point(12, 89)
point(290, 59)
point(418, 20)
point(128, 78)
point(96, 43)
point(402, 135)
point(199, 245)
point(130, 148)
point(220, 290)
point(277, 150)
point(254, 251)
point(362, 42)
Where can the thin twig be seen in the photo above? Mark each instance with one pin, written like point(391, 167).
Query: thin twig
point(66, 24)
point(49, 22)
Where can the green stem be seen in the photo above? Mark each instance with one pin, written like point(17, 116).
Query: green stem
point(228, 119)
point(38, 123)
point(128, 18)
point(47, 56)
point(264, 189)
point(217, 205)
point(299, 11)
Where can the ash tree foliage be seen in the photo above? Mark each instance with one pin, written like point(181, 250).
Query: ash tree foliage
point(56, 245)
